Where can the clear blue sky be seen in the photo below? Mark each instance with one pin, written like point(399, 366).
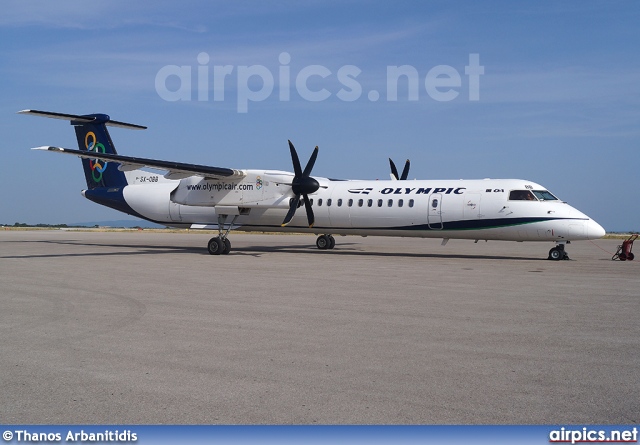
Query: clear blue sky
point(559, 100)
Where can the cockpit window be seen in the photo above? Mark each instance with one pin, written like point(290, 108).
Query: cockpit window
point(544, 195)
point(521, 195)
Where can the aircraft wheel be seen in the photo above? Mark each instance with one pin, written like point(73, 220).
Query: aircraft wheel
point(227, 246)
point(323, 242)
point(215, 246)
point(332, 242)
point(556, 254)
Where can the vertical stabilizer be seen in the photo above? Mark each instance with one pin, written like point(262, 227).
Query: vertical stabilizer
point(94, 136)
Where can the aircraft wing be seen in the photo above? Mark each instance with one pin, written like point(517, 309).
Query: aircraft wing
point(175, 170)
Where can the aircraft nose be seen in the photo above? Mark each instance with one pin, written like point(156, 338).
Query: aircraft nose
point(595, 230)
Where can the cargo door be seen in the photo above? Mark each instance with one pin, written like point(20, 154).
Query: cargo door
point(174, 211)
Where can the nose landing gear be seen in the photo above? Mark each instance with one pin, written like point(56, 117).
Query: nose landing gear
point(558, 253)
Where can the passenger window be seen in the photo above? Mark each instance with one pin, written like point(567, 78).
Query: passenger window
point(411, 203)
point(360, 202)
point(390, 203)
point(521, 195)
point(340, 202)
point(350, 202)
point(434, 203)
point(379, 202)
point(400, 202)
point(369, 202)
point(311, 201)
point(319, 202)
point(329, 202)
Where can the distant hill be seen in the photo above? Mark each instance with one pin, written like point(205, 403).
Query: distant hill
point(127, 223)
point(120, 223)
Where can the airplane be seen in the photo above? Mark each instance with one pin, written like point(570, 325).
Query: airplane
point(224, 199)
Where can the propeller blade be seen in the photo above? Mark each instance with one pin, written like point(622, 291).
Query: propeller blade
point(307, 206)
point(296, 161)
point(394, 170)
point(405, 172)
point(302, 184)
point(293, 205)
point(312, 161)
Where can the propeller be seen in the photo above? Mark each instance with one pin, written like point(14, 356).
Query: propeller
point(394, 170)
point(302, 185)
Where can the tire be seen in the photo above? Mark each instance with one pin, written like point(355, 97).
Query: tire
point(332, 242)
point(623, 257)
point(322, 242)
point(556, 254)
point(215, 246)
point(227, 246)
point(630, 257)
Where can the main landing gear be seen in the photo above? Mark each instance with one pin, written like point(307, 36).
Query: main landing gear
point(558, 253)
point(220, 245)
point(325, 242)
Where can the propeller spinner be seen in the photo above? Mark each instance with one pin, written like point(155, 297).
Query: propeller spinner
point(302, 185)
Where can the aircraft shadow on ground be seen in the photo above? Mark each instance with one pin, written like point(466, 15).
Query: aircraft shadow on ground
point(256, 251)
point(139, 249)
point(343, 249)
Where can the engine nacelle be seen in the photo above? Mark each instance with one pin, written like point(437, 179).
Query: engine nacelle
point(255, 189)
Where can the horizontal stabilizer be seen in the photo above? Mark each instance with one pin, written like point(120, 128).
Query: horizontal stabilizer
point(100, 118)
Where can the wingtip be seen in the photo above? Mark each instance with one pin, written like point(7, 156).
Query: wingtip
point(46, 147)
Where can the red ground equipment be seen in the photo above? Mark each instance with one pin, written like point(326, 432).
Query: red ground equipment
point(624, 250)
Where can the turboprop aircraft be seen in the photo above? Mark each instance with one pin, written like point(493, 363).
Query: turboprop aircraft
point(224, 199)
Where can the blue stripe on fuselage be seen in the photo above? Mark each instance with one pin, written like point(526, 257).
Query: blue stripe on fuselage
point(477, 224)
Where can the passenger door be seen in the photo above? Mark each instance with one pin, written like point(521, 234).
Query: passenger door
point(434, 215)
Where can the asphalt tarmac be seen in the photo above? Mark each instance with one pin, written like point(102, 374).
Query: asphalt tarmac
point(148, 328)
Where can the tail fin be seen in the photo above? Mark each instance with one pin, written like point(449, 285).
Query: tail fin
point(92, 134)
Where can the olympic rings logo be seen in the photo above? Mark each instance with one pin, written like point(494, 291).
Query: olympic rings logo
point(97, 166)
point(258, 183)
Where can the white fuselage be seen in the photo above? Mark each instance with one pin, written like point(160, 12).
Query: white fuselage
point(463, 209)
